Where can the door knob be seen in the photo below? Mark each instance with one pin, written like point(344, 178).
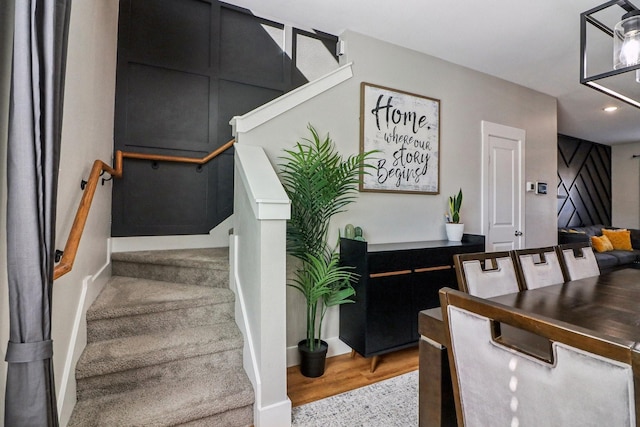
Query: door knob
point(518, 233)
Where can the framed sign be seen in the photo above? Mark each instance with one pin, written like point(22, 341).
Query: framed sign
point(405, 130)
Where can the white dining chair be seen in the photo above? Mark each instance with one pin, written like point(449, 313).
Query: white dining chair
point(486, 274)
point(538, 267)
point(579, 260)
point(585, 380)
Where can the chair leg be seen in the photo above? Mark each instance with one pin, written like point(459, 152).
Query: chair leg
point(353, 353)
point(374, 363)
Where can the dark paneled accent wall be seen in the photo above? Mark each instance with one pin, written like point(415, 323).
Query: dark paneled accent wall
point(584, 182)
point(185, 68)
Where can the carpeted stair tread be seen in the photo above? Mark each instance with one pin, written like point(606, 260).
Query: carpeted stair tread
point(120, 354)
point(200, 258)
point(128, 296)
point(155, 375)
point(173, 403)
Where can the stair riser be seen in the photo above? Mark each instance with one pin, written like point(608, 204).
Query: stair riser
point(170, 273)
point(152, 376)
point(126, 326)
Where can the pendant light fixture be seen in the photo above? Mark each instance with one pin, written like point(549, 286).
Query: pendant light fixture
point(622, 80)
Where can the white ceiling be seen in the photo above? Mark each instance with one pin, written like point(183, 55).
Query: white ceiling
point(534, 43)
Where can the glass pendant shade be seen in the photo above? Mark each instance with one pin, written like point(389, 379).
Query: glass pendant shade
point(626, 41)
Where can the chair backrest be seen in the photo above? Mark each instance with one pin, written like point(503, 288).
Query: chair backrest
point(586, 379)
point(538, 267)
point(578, 260)
point(486, 274)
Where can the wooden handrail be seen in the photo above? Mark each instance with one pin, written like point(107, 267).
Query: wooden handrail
point(99, 167)
point(159, 157)
point(73, 241)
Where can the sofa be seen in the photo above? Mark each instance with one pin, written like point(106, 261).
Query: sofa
point(607, 261)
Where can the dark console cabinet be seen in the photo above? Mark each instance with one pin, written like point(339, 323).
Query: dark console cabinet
point(396, 282)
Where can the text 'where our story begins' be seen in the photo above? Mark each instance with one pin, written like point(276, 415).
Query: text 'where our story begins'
point(408, 137)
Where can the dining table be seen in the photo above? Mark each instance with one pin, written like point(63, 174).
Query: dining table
point(607, 304)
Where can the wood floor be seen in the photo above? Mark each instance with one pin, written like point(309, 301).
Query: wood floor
point(344, 373)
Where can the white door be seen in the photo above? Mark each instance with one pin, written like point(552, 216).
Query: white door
point(502, 186)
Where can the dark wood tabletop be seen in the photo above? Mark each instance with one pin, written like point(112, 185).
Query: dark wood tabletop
point(608, 305)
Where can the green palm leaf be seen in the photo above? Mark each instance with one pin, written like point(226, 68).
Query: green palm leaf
point(320, 183)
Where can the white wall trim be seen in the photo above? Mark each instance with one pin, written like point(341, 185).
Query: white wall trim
point(269, 415)
point(78, 340)
point(268, 199)
point(289, 100)
point(250, 360)
point(148, 243)
point(259, 270)
point(217, 238)
point(272, 415)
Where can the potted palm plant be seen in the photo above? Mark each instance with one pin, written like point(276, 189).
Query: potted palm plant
point(320, 184)
point(454, 227)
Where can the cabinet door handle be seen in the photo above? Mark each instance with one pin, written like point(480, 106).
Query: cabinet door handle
point(389, 273)
point(438, 268)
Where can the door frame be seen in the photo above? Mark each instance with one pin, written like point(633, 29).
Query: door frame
point(494, 129)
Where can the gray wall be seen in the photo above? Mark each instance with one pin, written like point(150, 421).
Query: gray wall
point(467, 97)
point(6, 40)
point(87, 135)
point(625, 177)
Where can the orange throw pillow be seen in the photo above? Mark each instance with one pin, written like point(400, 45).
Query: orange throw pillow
point(620, 239)
point(601, 243)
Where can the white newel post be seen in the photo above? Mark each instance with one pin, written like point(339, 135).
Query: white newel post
point(258, 259)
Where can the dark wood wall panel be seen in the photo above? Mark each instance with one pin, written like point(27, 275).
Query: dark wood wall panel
point(185, 68)
point(262, 61)
point(171, 33)
point(180, 105)
point(584, 182)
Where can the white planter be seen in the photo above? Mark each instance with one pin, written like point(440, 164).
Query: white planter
point(454, 231)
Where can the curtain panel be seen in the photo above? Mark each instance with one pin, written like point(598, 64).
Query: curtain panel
point(35, 120)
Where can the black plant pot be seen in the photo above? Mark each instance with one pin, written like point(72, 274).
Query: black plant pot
point(312, 362)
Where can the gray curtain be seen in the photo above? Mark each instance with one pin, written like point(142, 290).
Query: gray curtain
point(35, 120)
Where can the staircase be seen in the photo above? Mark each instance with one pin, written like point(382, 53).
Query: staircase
point(163, 348)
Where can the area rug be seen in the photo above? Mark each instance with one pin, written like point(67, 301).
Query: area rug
point(388, 403)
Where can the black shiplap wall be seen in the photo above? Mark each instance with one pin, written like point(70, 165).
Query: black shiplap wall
point(584, 182)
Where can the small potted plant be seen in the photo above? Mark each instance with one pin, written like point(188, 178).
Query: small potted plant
point(320, 184)
point(454, 227)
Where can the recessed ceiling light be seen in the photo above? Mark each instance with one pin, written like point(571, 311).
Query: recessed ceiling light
point(610, 109)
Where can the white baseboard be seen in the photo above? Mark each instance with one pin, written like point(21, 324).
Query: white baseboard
point(336, 348)
point(250, 361)
point(150, 243)
point(217, 238)
point(272, 415)
point(91, 287)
